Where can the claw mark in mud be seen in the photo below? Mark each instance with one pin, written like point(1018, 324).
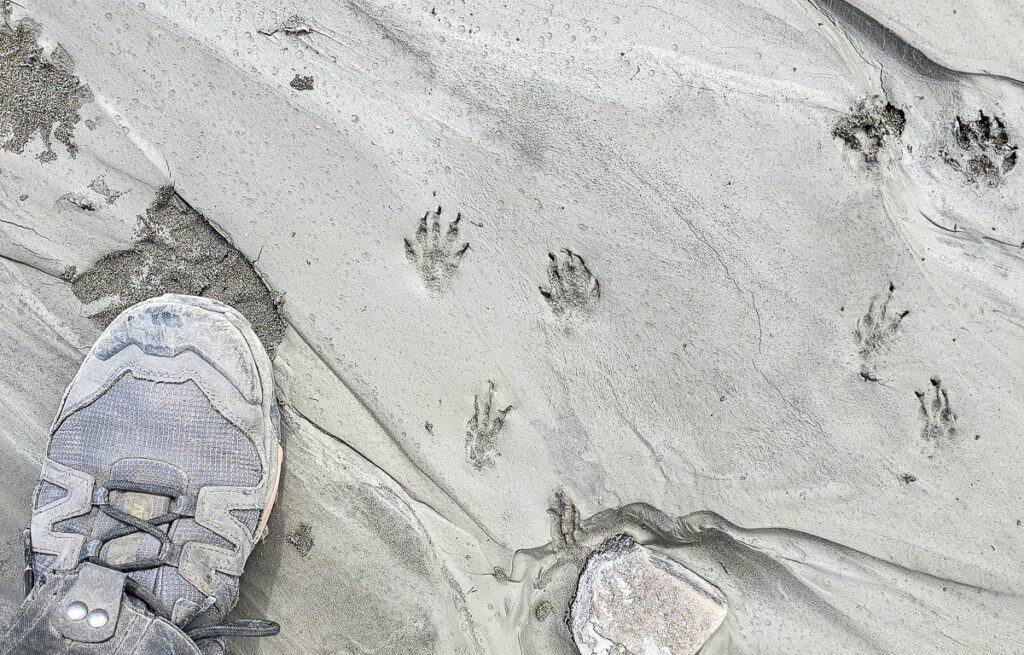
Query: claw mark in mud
point(177, 250)
point(939, 419)
point(302, 539)
point(438, 257)
point(39, 96)
point(870, 127)
point(985, 152)
point(565, 520)
point(483, 429)
point(99, 185)
point(874, 332)
point(572, 289)
point(302, 83)
point(293, 26)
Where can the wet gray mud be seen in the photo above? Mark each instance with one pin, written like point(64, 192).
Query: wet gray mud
point(176, 250)
point(787, 591)
point(40, 96)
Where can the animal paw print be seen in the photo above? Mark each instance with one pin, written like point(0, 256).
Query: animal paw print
point(565, 520)
point(438, 257)
point(874, 332)
point(572, 289)
point(870, 127)
point(986, 154)
point(939, 419)
point(483, 429)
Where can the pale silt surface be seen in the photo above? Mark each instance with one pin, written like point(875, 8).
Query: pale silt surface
point(741, 280)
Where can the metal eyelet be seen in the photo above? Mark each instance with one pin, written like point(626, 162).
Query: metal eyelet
point(76, 611)
point(97, 619)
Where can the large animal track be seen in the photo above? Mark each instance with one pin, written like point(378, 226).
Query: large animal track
point(572, 288)
point(870, 126)
point(938, 416)
point(438, 257)
point(483, 429)
point(874, 332)
point(985, 153)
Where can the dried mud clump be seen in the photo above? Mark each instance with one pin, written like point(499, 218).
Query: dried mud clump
point(39, 96)
point(302, 539)
point(985, 153)
point(176, 250)
point(874, 123)
point(302, 83)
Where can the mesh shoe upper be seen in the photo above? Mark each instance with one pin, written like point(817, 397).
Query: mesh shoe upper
point(170, 422)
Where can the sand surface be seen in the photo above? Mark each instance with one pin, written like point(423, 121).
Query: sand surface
point(742, 280)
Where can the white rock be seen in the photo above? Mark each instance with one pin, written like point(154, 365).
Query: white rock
point(634, 601)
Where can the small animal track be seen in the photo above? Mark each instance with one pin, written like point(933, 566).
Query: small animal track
point(483, 429)
point(939, 419)
point(437, 258)
point(565, 520)
point(572, 289)
point(872, 124)
point(874, 332)
point(177, 250)
point(985, 152)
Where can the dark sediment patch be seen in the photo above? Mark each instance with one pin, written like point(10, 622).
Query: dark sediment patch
point(872, 124)
point(177, 250)
point(302, 539)
point(302, 83)
point(39, 95)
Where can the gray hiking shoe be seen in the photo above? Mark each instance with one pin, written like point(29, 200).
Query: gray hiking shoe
point(162, 467)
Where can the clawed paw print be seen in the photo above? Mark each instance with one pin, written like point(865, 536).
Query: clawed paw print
point(572, 287)
point(438, 257)
point(874, 332)
point(483, 429)
point(986, 153)
point(939, 419)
